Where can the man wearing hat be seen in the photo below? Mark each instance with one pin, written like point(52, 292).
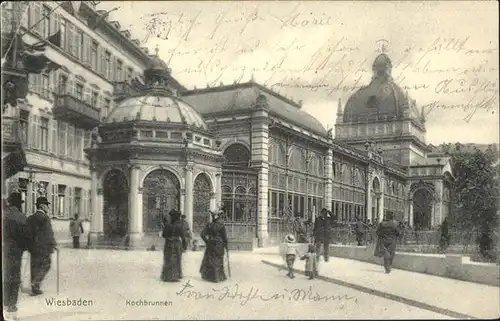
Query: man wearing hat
point(15, 239)
point(322, 234)
point(387, 236)
point(42, 244)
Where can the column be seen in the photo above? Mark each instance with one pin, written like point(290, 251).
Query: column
point(218, 190)
point(410, 213)
point(329, 179)
point(368, 201)
point(260, 161)
point(96, 224)
point(182, 200)
point(188, 197)
point(439, 202)
point(135, 208)
point(30, 202)
point(381, 207)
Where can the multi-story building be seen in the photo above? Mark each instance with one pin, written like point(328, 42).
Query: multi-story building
point(242, 147)
point(64, 106)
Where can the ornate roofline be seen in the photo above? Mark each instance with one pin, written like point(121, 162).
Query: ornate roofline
point(249, 84)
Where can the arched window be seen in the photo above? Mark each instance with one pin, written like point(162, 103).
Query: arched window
point(346, 174)
point(277, 153)
point(314, 165)
point(237, 155)
point(297, 159)
point(321, 166)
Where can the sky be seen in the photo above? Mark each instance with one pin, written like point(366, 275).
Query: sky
point(445, 54)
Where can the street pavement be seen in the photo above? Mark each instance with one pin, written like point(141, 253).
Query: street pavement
point(257, 289)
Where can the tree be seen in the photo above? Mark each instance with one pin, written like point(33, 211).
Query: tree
point(476, 190)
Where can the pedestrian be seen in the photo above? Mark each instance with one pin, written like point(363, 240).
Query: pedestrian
point(359, 230)
point(311, 259)
point(76, 229)
point(16, 236)
point(187, 230)
point(175, 244)
point(290, 253)
point(322, 234)
point(42, 244)
point(215, 237)
point(387, 238)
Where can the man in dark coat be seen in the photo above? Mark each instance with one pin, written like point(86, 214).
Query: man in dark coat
point(387, 238)
point(15, 240)
point(322, 233)
point(42, 244)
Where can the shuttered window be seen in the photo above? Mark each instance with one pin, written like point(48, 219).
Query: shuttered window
point(64, 34)
point(44, 134)
point(35, 141)
point(94, 56)
point(85, 50)
point(61, 133)
point(53, 136)
point(79, 144)
point(45, 23)
point(70, 132)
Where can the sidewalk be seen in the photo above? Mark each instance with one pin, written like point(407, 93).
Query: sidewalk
point(438, 293)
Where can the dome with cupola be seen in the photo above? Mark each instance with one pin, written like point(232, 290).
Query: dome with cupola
point(156, 101)
point(381, 99)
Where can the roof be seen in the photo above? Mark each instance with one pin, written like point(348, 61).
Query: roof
point(381, 98)
point(240, 97)
point(155, 106)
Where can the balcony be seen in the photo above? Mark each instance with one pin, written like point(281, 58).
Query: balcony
point(13, 156)
point(73, 110)
point(124, 89)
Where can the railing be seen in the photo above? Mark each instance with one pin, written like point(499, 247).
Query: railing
point(411, 240)
point(78, 108)
point(240, 231)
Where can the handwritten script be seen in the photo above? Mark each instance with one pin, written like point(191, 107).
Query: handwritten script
point(244, 296)
point(281, 51)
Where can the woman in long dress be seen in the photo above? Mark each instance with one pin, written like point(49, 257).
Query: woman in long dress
point(215, 238)
point(175, 244)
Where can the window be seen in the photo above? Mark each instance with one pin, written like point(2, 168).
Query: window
point(71, 135)
point(119, 70)
point(44, 134)
point(79, 91)
point(61, 197)
point(94, 99)
point(77, 200)
point(61, 136)
point(93, 55)
point(24, 124)
point(107, 65)
point(45, 86)
point(63, 84)
point(78, 144)
point(130, 73)
point(46, 22)
point(63, 34)
point(36, 20)
point(81, 46)
point(107, 106)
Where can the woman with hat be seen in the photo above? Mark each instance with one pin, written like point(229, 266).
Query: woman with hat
point(175, 244)
point(15, 239)
point(215, 238)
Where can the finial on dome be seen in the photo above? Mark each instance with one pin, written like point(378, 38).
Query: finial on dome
point(339, 107)
point(157, 50)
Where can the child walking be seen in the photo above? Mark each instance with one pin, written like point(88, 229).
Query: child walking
point(311, 262)
point(290, 253)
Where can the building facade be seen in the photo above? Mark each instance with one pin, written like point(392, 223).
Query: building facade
point(64, 106)
point(240, 147)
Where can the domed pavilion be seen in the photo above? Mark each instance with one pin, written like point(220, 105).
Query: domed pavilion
point(154, 154)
